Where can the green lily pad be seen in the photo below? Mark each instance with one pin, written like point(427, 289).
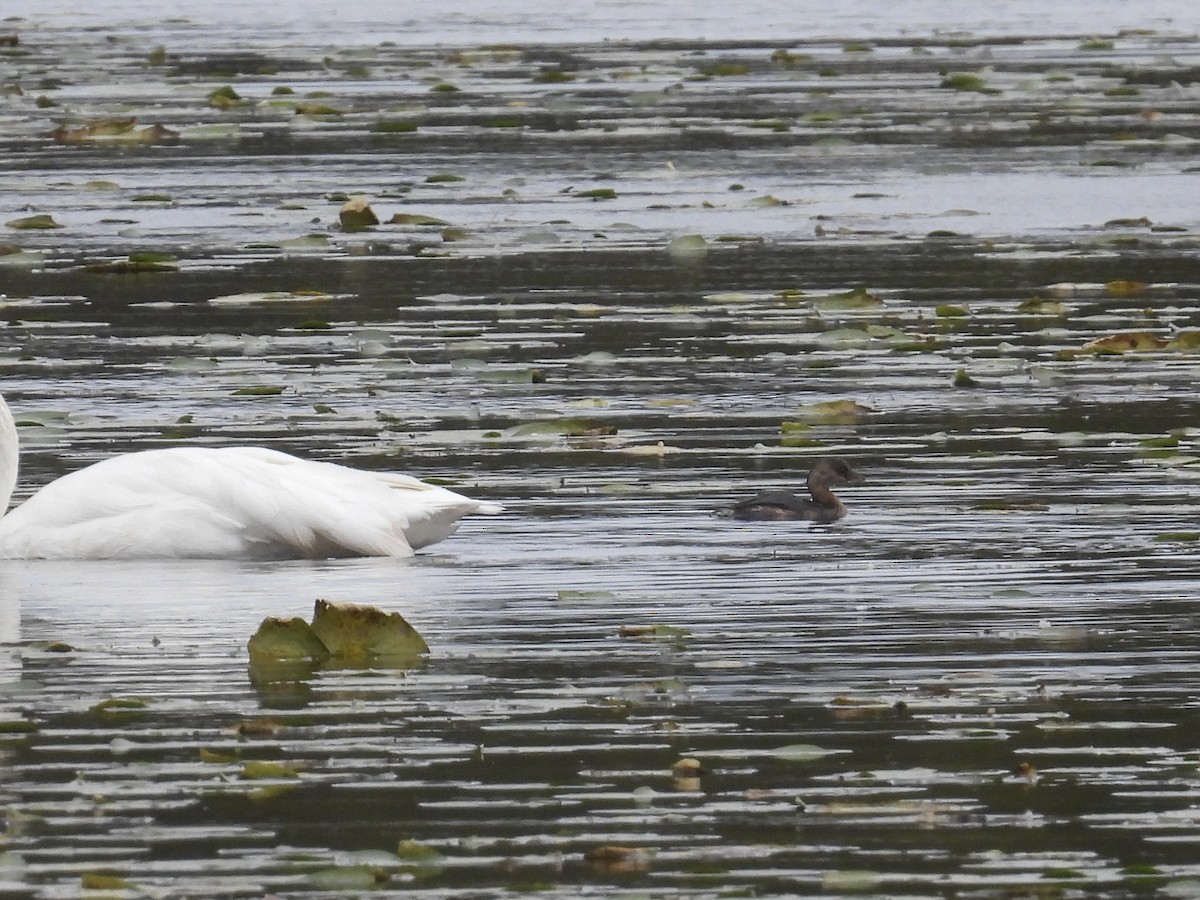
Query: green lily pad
point(39, 221)
point(353, 632)
point(285, 639)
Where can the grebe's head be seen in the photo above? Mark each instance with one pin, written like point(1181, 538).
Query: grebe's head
point(833, 470)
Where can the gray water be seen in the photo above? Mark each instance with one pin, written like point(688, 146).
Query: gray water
point(980, 684)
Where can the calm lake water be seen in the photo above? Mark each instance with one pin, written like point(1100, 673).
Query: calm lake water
point(648, 259)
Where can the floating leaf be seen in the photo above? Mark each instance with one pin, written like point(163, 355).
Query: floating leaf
point(225, 97)
point(833, 412)
point(356, 215)
point(859, 298)
point(130, 267)
point(964, 81)
point(394, 126)
point(964, 380)
point(1014, 505)
point(217, 758)
point(257, 768)
point(1124, 288)
point(802, 752)
point(1125, 342)
point(285, 639)
point(950, 311)
point(40, 221)
point(317, 109)
point(598, 194)
point(564, 428)
point(612, 859)
point(251, 298)
point(355, 632)
point(687, 247)
point(1185, 340)
point(103, 881)
point(117, 130)
point(1178, 536)
point(415, 219)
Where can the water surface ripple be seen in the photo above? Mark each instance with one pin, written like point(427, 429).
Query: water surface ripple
point(640, 272)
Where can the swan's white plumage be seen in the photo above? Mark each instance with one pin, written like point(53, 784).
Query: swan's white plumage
point(229, 503)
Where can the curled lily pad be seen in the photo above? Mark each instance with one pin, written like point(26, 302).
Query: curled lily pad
point(285, 639)
point(962, 379)
point(357, 214)
point(687, 247)
point(354, 632)
point(225, 97)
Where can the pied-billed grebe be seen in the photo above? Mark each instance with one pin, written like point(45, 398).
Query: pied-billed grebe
point(824, 507)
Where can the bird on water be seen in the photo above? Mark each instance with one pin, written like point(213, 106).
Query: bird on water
point(221, 503)
point(780, 505)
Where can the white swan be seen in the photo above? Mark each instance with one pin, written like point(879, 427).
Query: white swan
point(227, 503)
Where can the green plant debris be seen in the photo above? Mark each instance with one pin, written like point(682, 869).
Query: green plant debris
point(394, 126)
point(963, 380)
point(725, 69)
point(346, 633)
point(965, 81)
point(1010, 506)
point(417, 219)
point(356, 633)
point(951, 311)
point(286, 640)
point(316, 110)
point(833, 412)
point(1178, 537)
point(356, 214)
point(225, 97)
point(597, 194)
point(103, 881)
point(116, 131)
point(37, 222)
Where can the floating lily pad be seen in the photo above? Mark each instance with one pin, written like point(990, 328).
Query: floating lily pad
point(416, 219)
point(285, 640)
point(858, 298)
point(356, 215)
point(114, 130)
point(598, 194)
point(687, 247)
point(833, 412)
point(257, 768)
point(353, 632)
point(26, 223)
point(259, 390)
point(1125, 342)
